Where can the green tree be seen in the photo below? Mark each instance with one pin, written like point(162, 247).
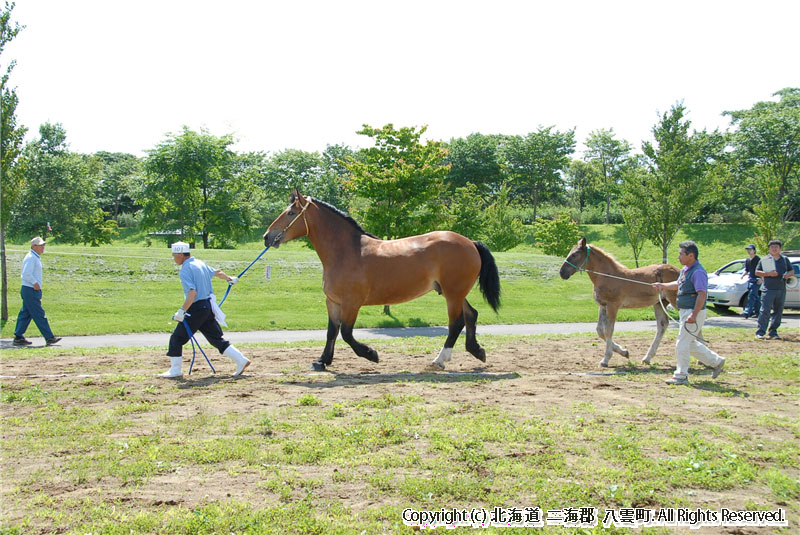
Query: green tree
point(534, 162)
point(503, 230)
point(466, 211)
point(59, 193)
point(609, 156)
point(474, 160)
point(11, 136)
point(582, 180)
point(398, 184)
point(190, 185)
point(677, 181)
point(633, 213)
point(119, 176)
point(769, 210)
point(768, 136)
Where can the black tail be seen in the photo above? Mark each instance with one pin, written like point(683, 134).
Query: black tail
point(488, 279)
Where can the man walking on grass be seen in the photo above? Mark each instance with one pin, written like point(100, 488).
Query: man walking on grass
point(31, 293)
point(692, 286)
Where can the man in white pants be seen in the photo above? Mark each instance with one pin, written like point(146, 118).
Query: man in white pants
point(692, 286)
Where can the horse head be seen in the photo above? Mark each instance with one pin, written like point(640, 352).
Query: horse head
point(284, 229)
point(576, 259)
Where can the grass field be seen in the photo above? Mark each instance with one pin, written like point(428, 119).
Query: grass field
point(96, 444)
point(127, 287)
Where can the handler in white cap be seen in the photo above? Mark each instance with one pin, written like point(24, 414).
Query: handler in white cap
point(198, 312)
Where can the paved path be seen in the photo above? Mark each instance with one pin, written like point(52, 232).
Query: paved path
point(790, 321)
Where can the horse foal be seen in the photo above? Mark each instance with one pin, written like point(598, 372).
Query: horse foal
point(611, 293)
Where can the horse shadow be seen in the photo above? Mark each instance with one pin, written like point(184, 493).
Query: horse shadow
point(433, 377)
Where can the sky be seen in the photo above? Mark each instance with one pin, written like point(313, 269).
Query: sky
point(121, 76)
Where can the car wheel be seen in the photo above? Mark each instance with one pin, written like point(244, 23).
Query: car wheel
point(743, 301)
point(721, 307)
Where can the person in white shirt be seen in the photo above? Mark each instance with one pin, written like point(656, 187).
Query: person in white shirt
point(31, 293)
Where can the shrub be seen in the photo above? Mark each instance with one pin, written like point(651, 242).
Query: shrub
point(557, 236)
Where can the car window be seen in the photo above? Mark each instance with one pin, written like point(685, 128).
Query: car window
point(733, 267)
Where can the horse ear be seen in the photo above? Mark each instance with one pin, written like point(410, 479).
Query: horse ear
point(582, 242)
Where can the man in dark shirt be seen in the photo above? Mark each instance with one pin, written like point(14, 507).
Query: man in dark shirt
point(753, 304)
point(776, 269)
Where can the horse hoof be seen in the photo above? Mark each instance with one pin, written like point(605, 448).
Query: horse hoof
point(646, 361)
point(626, 353)
point(371, 356)
point(604, 364)
point(318, 366)
point(438, 366)
point(480, 355)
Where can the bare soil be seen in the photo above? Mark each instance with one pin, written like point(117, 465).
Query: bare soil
point(529, 377)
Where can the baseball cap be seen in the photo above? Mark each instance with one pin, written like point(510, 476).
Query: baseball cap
point(38, 241)
point(751, 246)
point(180, 247)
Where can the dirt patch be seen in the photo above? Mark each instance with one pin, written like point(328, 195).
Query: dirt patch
point(527, 377)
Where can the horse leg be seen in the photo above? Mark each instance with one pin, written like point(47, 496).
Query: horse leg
point(348, 321)
point(605, 328)
point(453, 331)
point(471, 320)
point(334, 322)
point(662, 322)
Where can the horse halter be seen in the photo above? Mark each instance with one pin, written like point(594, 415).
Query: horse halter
point(302, 213)
point(585, 260)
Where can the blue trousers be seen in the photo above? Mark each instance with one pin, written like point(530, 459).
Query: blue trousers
point(771, 300)
point(201, 319)
point(753, 304)
point(32, 310)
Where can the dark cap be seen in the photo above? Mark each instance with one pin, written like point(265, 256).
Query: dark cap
point(751, 246)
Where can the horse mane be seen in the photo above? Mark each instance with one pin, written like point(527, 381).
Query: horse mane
point(344, 216)
point(610, 256)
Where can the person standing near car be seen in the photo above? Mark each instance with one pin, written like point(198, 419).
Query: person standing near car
point(753, 304)
point(31, 293)
point(775, 269)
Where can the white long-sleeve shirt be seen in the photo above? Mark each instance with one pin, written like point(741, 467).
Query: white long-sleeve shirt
point(31, 269)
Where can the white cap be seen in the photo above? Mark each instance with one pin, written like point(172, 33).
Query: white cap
point(37, 241)
point(180, 247)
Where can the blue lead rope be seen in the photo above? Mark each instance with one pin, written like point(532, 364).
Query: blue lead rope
point(194, 353)
point(189, 331)
point(242, 273)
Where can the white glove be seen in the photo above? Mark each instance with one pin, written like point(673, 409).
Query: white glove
point(233, 280)
point(179, 315)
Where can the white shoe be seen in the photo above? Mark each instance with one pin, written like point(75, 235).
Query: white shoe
point(240, 360)
point(174, 369)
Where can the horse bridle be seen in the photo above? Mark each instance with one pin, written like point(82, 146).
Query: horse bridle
point(585, 260)
point(302, 213)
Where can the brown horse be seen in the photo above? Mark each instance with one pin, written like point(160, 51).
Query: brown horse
point(612, 293)
point(359, 269)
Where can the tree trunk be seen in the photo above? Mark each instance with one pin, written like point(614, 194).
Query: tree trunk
point(535, 203)
point(4, 312)
point(608, 205)
point(386, 310)
point(205, 240)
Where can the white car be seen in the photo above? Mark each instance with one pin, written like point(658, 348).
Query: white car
point(727, 287)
